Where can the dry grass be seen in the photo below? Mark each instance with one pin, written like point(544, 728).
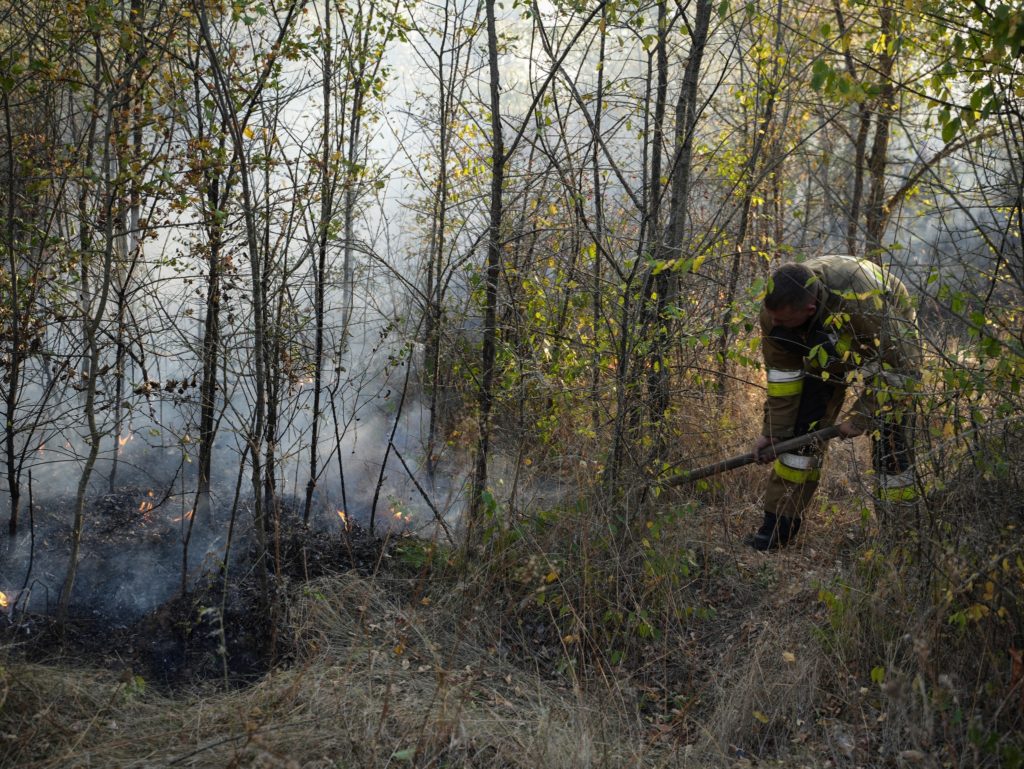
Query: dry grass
point(378, 684)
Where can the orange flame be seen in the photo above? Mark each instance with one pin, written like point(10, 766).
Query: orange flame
point(3, 600)
point(145, 507)
point(187, 516)
point(123, 440)
point(344, 519)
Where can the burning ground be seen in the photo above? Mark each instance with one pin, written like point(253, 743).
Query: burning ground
point(162, 595)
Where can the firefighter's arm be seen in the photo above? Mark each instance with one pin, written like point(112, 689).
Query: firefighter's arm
point(784, 369)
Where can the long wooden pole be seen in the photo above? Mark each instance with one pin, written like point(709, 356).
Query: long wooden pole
point(821, 436)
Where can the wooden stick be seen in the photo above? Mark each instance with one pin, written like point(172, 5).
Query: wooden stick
point(821, 436)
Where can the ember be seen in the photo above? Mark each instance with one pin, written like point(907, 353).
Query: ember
point(186, 516)
point(145, 506)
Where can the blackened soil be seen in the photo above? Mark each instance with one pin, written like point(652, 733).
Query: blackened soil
point(230, 625)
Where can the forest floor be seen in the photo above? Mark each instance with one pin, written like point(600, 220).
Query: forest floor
point(375, 657)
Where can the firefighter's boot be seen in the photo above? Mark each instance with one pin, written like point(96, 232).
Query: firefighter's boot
point(776, 531)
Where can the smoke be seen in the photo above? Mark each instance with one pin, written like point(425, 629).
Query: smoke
point(142, 490)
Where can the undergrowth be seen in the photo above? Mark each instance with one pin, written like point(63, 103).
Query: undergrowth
point(615, 631)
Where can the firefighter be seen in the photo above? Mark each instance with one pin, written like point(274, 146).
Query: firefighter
point(828, 323)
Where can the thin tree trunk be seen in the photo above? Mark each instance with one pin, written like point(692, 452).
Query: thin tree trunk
point(320, 273)
point(860, 143)
point(596, 293)
point(434, 294)
point(91, 327)
point(210, 350)
point(490, 331)
point(874, 211)
point(16, 342)
point(666, 282)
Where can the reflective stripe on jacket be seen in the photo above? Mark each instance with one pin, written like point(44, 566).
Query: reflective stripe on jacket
point(865, 323)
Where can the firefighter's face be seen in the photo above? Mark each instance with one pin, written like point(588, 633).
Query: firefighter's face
point(792, 316)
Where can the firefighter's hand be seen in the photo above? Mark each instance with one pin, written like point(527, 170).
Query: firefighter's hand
point(759, 446)
point(848, 429)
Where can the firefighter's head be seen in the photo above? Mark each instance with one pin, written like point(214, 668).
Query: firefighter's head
point(792, 300)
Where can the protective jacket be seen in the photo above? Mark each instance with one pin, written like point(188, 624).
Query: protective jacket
point(864, 329)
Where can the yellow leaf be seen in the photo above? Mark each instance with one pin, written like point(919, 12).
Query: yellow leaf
point(552, 209)
point(248, 132)
point(789, 656)
point(760, 716)
point(399, 648)
point(552, 576)
point(977, 612)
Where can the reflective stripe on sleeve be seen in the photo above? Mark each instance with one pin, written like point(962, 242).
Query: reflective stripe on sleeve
point(785, 382)
point(900, 487)
point(799, 461)
point(897, 481)
point(794, 475)
point(899, 494)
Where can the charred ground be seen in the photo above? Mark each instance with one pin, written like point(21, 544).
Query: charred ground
point(132, 611)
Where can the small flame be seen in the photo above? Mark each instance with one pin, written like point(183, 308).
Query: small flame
point(42, 449)
point(187, 516)
point(399, 515)
point(344, 519)
point(145, 507)
point(123, 440)
point(3, 600)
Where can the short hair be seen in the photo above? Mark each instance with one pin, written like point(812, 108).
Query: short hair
point(791, 286)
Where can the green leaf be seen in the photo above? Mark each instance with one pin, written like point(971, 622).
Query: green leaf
point(950, 130)
point(819, 73)
point(878, 674)
point(406, 754)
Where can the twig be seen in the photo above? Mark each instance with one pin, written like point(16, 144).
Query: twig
point(437, 515)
